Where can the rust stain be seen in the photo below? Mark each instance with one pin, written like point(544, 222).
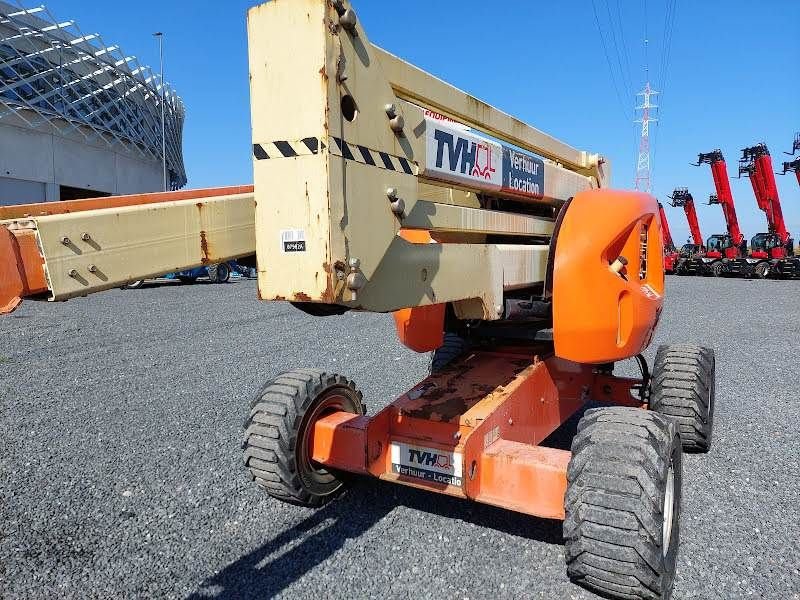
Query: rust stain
point(279, 298)
point(442, 411)
point(301, 297)
point(330, 291)
point(204, 249)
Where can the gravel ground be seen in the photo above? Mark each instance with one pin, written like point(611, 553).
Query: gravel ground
point(121, 473)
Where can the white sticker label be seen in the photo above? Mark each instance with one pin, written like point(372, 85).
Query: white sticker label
point(293, 240)
point(429, 464)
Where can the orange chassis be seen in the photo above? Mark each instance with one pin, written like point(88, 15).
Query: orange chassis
point(473, 430)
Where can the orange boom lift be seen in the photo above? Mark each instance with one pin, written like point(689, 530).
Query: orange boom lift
point(499, 248)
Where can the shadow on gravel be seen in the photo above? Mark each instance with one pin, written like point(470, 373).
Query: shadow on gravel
point(268, 570)
point(273, 567)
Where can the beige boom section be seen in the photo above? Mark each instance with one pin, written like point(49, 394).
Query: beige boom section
point(93, 245)
point(360, 152)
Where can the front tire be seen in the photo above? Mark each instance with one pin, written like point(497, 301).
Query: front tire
point(683, 389)
point(761, 270)
point(278, 434)
point(717, 269)
point(220, 273)
point(623, 504)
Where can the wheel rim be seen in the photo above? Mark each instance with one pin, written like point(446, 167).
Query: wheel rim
point(310, 472)
point(669, 510)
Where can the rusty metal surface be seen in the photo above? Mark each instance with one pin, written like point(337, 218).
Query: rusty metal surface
point(446, 396)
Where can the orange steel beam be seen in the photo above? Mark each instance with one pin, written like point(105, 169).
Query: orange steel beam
point(473, 430)
point(21, 211)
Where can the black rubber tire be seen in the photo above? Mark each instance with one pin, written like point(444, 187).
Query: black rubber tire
point(617, 483)
point(277, 434)
point(717, 269)
point(453, 347)
point(683, 388)
point(761, 270)
point(220, 273)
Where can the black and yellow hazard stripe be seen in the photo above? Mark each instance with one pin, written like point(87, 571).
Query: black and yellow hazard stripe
point(337, 147)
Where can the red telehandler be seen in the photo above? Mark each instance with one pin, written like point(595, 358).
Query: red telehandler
point(691, 254)
point(771, 253)
point(671, 255)
point(722, 248)
point(793, 165)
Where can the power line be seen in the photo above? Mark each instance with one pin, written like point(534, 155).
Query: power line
point(627, 53)
point(626, 80)
point(608, 62)
point(666, 53)
point(646, 41)
point(666, 44)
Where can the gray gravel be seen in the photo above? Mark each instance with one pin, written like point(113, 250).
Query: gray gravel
point(121, 474)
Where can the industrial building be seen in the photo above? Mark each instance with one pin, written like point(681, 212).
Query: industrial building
point(79, 118)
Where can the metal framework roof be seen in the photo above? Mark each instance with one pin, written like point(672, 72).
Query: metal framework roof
point(54, 75)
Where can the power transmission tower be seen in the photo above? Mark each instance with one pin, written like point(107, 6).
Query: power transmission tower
point(642, 182)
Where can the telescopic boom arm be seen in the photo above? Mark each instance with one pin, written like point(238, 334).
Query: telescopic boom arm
point(681, 197)
point(756, 163)
point(669, 245)
point(724, 196)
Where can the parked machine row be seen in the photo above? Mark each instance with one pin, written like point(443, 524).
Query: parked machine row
point(770, 253)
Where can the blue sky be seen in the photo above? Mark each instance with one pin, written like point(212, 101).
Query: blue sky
point(732, 78)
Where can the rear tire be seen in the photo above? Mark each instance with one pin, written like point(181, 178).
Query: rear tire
point(683, 388)
point(623, 504)
point(277, 434)
point(453, 347)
